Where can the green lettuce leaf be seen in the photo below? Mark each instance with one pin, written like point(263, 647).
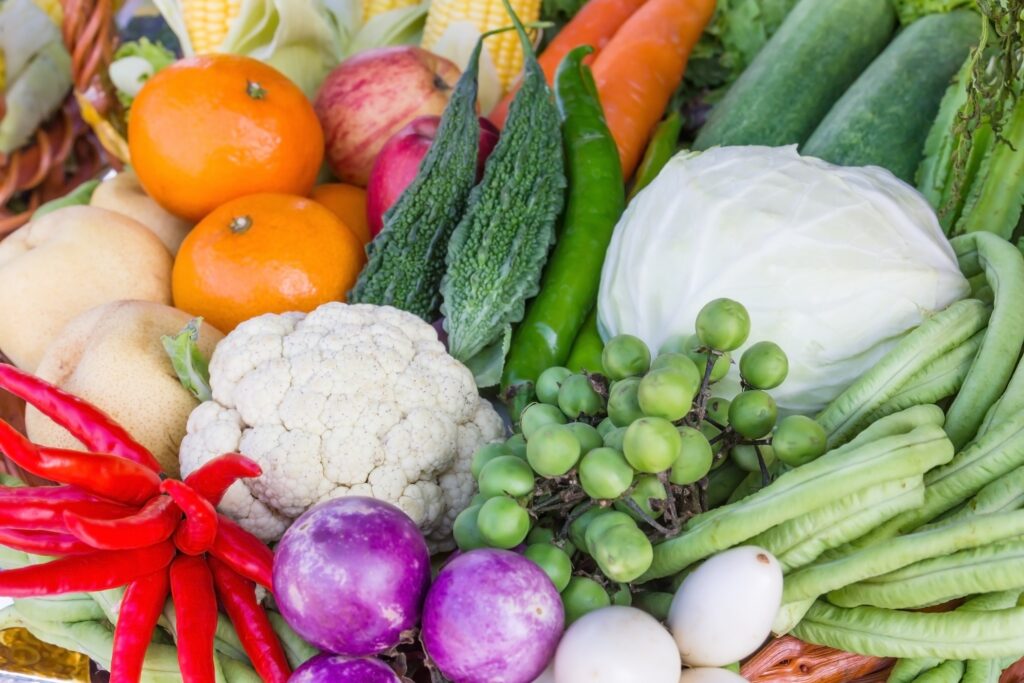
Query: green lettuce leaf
point(134, 64)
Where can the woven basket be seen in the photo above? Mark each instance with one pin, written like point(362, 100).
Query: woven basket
point(65, 151)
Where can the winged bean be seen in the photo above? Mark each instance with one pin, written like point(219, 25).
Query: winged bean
point(893, 633)
point(1003, 265)
point(942, 378)
point(940, 579)
point(801, 539)
point(801, 490)
point(882, 558)
point(935, 337)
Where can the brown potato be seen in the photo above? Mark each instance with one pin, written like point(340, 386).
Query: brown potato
point(112, 356)
point(67, 262)
point(123, 194)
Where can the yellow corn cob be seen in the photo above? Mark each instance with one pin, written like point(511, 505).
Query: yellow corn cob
point(208, 21)
point(372, 8)
point(504, 48)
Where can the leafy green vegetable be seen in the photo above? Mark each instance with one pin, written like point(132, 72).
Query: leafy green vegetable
point(79, 196)
point(737, 32)
point(912, 10)
point(187, 360)
point(134, 64)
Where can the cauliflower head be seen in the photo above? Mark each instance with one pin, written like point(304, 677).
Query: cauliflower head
point(347, 400)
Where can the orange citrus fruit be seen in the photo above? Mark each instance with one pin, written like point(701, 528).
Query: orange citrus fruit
point(264, 253)
point(211, 128)
point(348, 203)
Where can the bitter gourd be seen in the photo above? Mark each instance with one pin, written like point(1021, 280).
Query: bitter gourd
point(406, 261)
point(498, 250)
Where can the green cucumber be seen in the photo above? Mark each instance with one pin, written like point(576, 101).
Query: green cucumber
point(884, 118)
point(820, 49)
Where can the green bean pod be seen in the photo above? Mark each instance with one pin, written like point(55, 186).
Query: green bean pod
point(992, 455)
point(1002, 495)
point(977, 670)
point(897, 424)
point(801, 490)
point(68, 608)
point(941, 379)
point(932, 339)
point(982, 671)
point(908, 669)
point(297, 650)
point(1003, 266)
point(881, 632)
point(946, 672)
point(573, 274)
point(849, 519)
point(882, 558)
point(985, 569)
point(782, 538)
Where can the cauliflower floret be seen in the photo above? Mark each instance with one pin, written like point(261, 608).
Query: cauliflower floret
point(347, 400)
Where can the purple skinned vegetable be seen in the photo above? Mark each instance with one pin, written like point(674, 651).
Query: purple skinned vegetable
point(350, 575)
point(342, 669)
point(492, 616)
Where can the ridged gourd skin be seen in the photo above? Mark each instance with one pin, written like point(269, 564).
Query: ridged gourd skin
point(498, 250)
point(820, 49)
point(884, 118)
point(406, 261)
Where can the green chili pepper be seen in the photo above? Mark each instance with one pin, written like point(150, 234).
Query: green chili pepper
point(660, 149)
point(573, 274)
point(587, 348)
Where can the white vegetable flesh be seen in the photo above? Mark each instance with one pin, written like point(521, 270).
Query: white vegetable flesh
point(724, 609)
point(834, 264)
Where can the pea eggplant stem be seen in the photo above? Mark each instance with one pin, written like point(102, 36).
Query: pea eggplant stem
point(766, 477)
point(650, 521)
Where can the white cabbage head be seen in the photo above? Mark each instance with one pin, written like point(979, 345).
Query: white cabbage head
point(834, 264)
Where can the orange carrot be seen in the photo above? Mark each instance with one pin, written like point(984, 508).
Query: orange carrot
point(594, 25)
point(641, 67)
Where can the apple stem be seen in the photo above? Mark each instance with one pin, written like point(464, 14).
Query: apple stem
point(255, 90)
point(240, 224)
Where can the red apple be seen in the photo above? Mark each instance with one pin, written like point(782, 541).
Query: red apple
point(399, 162)
point(371, 96)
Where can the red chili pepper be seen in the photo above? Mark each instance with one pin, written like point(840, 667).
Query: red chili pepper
point(244, 553)
point(195, 535)
point(141, 606)
point(195, 606)
point(42, 513)
point(107, 476)
point(96, 571)
point(155, 522)
point(238, 595)
point(16, 494)
point(90, 425)
point(212, 480)
point(43, 542)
